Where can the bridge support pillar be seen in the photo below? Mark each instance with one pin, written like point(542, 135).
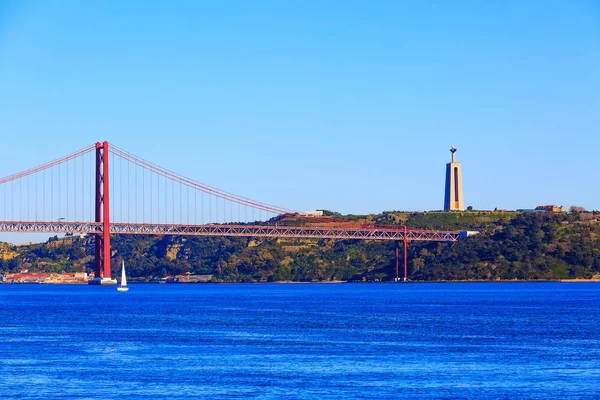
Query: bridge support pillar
point(405, 249)
point(405, 246)
point(397, 262)
point(102, 239)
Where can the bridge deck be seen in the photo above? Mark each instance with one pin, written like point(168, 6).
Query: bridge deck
point(375, 233)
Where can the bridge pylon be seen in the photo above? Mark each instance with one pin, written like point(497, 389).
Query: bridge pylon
point(102, 239)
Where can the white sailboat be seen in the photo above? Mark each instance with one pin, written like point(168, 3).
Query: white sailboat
point(123, 287)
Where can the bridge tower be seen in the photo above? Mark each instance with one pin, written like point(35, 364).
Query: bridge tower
point(102, 239)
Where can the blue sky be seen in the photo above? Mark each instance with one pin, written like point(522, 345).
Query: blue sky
point(345, 105)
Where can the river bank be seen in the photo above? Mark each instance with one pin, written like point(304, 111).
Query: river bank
point(153, 282)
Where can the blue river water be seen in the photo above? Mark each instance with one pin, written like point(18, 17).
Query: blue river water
point(301, 341)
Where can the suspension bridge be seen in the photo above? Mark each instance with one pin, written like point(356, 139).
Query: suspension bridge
point(102, 190)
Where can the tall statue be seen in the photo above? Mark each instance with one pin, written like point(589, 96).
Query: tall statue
point(453, 196)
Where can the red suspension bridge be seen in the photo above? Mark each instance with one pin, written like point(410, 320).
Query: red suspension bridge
point(103, 190)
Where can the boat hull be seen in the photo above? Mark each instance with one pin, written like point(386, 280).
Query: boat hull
point(102, 281)
point(122, 289)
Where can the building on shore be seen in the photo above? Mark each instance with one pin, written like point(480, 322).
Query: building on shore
point(188, 279)
point(544, 209)
point(552, 208)
point(453, 198)
point(313, 214)
point(27, 277)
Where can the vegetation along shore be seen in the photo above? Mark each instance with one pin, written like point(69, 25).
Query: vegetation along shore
point(510, 246)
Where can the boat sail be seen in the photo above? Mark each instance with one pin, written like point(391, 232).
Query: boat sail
point(123, 287)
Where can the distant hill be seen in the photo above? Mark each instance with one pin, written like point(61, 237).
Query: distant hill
point(523, 246)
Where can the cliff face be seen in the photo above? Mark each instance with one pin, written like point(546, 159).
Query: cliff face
point(510, 246)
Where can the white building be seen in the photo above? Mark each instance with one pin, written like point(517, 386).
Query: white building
point(317, 213)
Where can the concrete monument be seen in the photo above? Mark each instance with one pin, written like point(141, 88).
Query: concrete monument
point(453, 199)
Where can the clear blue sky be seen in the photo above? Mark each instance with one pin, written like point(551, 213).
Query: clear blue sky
point(345, 105)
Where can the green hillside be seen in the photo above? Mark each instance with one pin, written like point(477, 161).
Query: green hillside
point(510, 245)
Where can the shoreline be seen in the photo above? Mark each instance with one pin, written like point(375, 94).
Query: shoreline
point(575, 280)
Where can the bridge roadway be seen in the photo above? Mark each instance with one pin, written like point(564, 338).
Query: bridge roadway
point(362, 233)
